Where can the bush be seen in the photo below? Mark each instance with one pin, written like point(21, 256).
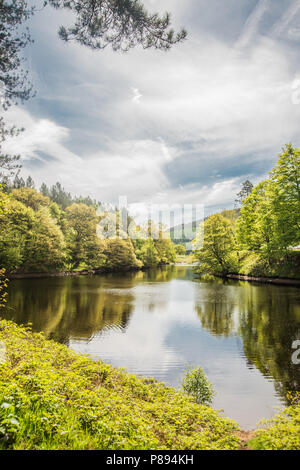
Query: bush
point(196, 385)
point(3, 285)
point(53, 398)
point(281, 432)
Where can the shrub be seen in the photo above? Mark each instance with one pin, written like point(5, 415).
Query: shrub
point(281, 432)
point(53, 398)
point(3, 285)
point(196, 385)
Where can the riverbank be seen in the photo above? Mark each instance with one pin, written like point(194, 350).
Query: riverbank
point(265, 280)
point(53, 398)
point(85, 272)
point(50, 274)
point(238, 277)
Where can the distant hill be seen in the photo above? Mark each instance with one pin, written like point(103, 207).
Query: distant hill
point(184, 235)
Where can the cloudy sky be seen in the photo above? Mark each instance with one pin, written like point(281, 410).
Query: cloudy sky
point(186, 126)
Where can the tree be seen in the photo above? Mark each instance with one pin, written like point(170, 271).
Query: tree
point(256, 225)
point(269, 224)
point(30, 240)
point(30, 198)
point(246, 190)
point(3, 286)
point(14, 80)
point(30, 183)
point(18, 182)
point(285, 181)
point(44, 190)
point(60, 196)
point(121, 24)
point(15, 229)
point(218, 254)
point(83, 245)
point(180, 250)
point(165, 250)
point(4, 200)
point(9, 164)
point(45, 248)
point(148, 253)
point(14, 84)
point(231, 215)
point(196, 384)
point(120, 255)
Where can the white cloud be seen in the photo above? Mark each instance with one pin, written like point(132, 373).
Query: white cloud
point(251, 25)
point(282, 24)
point(136, 95)
point(222, 101)
point(40, 135)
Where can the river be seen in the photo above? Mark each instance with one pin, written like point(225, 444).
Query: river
point(154, 323)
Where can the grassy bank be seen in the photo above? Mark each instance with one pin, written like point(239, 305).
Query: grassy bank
point(53, 398)
point(281, 432)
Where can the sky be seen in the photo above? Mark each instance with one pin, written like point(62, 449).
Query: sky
point(186, 126)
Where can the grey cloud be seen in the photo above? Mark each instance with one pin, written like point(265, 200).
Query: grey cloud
point(207, 113)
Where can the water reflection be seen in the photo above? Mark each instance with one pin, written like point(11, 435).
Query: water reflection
point(70, 307)
point(266, 317)
point(269, 323)
point(156, 322)
point(215, 305)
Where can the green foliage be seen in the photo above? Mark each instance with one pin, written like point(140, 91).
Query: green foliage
point(147, 253)
point(3, 286)
point(30, 198)
point(247, 188)
point(262, 240)
point(285, 198)
point(15, 229)
point(165, 250)
point(9, 424)
point(58, 195)
point(231, 215)
point(80, 230)
point(180, 250)
point(121, 25)
point(159, 250)
point(4, 200)
point(53, 398)
point(281, 432)
point(45, 248)
point(37, 234)
point(270, 217)
point(196, 385)
point(218, 254)
point(29, 183)
point(120, 255)
point(30, 240)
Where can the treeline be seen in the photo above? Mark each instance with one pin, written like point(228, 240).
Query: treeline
point(41, 233)
point(56, 193)
point(263, 237)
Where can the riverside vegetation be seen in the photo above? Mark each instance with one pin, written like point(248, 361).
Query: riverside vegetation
point(50, 231)
point(53, 398)
point(263, 237)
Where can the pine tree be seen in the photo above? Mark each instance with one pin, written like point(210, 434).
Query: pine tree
point(246, 190)
point(44, 190)
point(30, 183)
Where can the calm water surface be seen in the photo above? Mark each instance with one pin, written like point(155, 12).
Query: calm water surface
point(154, 323)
